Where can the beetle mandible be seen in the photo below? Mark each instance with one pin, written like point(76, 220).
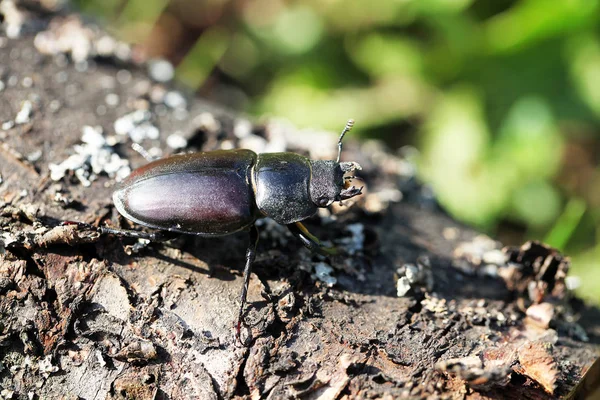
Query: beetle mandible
point(221, 192)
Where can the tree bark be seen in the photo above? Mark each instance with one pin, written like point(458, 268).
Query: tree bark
point(93, 317)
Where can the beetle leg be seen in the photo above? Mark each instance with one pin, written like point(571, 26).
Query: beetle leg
point(158, 236)
point(310, 241)
point(250, 256)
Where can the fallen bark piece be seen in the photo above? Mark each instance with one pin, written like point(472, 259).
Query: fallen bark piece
point(536, 362)
point(335, 382)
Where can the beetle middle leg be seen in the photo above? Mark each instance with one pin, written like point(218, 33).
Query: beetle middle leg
point(250, 256)
point(310, 241)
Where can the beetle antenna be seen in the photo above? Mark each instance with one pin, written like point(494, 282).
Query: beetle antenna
point(347, 129)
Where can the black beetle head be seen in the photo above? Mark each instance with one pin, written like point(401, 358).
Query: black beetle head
point(328, 183)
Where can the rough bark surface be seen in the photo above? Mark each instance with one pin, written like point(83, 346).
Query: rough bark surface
point(92, 317)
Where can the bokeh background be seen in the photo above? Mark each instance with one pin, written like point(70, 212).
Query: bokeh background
point(501, 98)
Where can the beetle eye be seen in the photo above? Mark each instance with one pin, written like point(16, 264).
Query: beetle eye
point(323, 202)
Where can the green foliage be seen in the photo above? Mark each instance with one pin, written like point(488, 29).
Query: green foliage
point(501, 97)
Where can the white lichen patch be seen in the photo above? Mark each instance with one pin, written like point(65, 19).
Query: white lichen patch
point(323, 273)
point(161, 70)
point(402, 286)
point(46, 367)
point(24, 114)
point(414, 276)
point(92, 158)
point(354, 243)
point(175, 100)
point(137, 125)
point(71, 36)
point(480, 256)
point(13, 18)
point(176, 141)
point(207, 122)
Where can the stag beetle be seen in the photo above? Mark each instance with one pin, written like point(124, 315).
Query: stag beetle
point(220, 192)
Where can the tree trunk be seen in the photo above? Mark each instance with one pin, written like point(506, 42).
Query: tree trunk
point(93, 317)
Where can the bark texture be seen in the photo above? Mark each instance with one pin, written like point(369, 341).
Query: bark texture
point(92, 317)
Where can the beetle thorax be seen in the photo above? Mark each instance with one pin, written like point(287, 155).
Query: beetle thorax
point(281, 184)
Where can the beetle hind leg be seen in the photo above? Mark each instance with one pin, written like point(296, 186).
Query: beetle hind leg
point(157, 236)
point(310, 241)
point(250, 256)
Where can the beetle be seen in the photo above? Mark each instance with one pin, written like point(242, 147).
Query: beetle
point(221, 192)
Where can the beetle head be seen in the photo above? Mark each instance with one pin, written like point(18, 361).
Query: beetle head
point(328, 183)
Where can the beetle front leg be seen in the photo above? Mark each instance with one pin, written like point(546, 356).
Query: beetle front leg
point(250, 256)
point(310, 241)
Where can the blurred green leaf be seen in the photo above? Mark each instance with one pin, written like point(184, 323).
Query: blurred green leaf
point(529, 21)
point(106, 9)
point(203, 57)
point(584, 57)
point(586, 266)
point(240, 48)
point(455, 143)
point(529, 140)
point(381, 55)
point(138, 17)
point(536, 204)
point(295, 30)
point(565, 225)
point(443, 6)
